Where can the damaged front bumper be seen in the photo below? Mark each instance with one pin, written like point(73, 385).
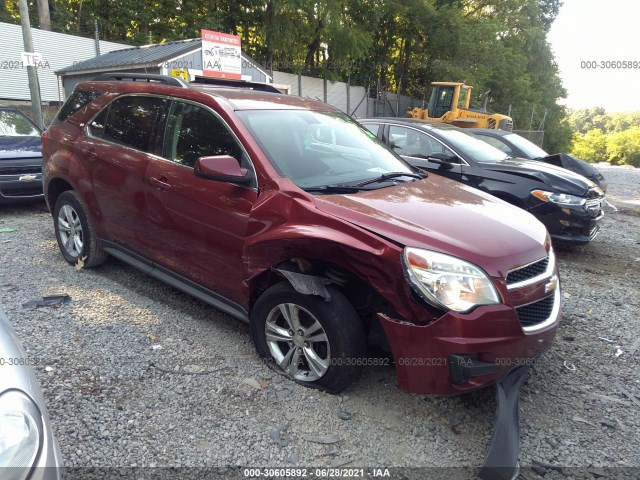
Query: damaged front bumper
point(463, 352)
point(571, 224)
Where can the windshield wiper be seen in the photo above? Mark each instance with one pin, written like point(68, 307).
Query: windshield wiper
point(333, 189)
point(389, 176)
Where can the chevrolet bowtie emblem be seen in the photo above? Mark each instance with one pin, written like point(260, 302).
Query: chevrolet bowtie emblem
point(26, 178)
point(552, 285)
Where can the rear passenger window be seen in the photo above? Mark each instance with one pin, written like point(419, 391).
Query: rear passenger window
point(96, 127)
point(129, 121)
point(77, 100)
point(193, 132)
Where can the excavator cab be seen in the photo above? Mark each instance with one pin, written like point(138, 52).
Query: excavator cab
point(447, 97)
point(449, 103)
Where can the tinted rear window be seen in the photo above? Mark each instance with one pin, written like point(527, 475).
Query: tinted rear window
point(130, 122)
point(77, 100)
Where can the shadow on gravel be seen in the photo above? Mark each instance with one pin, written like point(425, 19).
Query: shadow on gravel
point(150, 288)
point(24, 208)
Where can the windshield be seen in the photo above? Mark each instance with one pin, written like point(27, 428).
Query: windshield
point(316, 149)
point(15, 124)
point(471, 146)
point(530, 149)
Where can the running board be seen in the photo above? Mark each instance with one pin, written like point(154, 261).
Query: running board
point(501, 462)
point(177, 281)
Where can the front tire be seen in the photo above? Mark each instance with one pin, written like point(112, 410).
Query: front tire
point(319, 344)
point(74, 231)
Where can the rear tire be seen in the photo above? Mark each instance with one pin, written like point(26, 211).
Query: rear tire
point(319, 344)
point(74, 231)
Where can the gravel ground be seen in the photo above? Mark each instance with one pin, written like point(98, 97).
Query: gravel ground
point(136, 373)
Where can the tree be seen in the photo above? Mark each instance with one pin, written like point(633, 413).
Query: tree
point(591, 146)
point(624, 147)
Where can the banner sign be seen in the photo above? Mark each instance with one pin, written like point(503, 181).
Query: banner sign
point(221, 55)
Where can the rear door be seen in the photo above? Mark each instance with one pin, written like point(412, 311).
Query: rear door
point(116, 153)
point(198, 226)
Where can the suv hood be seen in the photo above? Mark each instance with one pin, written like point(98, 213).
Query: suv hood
point(559, 179)
point(446, 216)
point(20, 147)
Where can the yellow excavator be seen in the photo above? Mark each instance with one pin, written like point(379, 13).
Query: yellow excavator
point(449, 103)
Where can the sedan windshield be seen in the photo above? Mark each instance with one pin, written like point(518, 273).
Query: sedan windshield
point(323, 149)
point(530, 149)
point(15, 124)
point(470, 146)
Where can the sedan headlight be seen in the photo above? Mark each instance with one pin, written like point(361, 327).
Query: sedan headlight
point(558, 198)
point(20, 434)
point(448, 282)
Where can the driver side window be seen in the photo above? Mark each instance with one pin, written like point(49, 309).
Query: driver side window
point(412, 143)
point(193, 132)
point(499, 144)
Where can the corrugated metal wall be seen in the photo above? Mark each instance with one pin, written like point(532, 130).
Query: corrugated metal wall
point(287, 79)
point(58, 50)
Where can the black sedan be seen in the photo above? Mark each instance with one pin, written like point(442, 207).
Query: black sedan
point(517, 146)
point(568, 204)
point(20, 158)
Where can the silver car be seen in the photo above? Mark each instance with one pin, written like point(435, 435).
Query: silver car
point(28, 449)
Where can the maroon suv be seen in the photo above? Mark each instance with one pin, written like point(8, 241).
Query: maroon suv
point(283, 212)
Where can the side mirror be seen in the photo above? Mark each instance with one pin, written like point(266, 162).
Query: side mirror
point(223, 168)
point(443, 159)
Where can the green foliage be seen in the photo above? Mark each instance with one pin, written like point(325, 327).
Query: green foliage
point(601, 136)
point(591, 146)
point(586, 119)
point(624, 147)
point(497, 45)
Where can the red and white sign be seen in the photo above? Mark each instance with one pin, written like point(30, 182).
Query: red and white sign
point(221, 55)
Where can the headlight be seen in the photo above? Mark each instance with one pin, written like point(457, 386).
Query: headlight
point(20, 434)
point(448, 282)
point(559, 198)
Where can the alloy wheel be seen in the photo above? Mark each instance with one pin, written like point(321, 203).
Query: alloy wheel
point(298, 342)
point(70, 230)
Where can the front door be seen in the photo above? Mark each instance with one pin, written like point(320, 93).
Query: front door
point(416, 147)
point(198, 226)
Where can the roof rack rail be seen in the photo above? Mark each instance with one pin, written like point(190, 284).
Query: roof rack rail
point(226, 82)
point(141, 77)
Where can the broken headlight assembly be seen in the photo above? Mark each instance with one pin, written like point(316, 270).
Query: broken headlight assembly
point(448, 282)
point(563, 199)
point(20, 434)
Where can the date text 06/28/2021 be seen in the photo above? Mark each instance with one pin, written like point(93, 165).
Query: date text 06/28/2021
point(321, 472)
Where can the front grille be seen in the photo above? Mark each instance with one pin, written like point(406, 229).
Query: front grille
point(537, 312)
point(20, 170)
point(528, 271)
point(491, 123)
